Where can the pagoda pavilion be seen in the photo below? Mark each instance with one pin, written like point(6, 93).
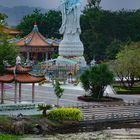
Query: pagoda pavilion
point(19, 75)
point(35, 46)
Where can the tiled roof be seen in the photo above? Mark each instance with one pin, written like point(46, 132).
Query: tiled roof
point(21, 75)
point(7, 78)
point(19, 69)
point(26, 78)
point(35, 38)
point(11, 31)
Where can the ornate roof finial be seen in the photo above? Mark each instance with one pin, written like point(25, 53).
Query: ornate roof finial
point(35, 29)
point(18, 60)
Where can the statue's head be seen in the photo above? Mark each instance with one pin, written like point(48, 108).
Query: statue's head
point(73, 2)
point(70, 4)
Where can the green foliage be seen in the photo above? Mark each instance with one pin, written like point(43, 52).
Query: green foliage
point(95, 79)
point(122, 90)
point(94, 3)
point(8, 137)
point(44, 108)
point(58, 90)
point(127, 64)
point(100, 28)
point(2, 18)
point(53, 23)
point(62, 114)
point(113, 49)
point(48, 23)
point(54, 56)
point(7, 51)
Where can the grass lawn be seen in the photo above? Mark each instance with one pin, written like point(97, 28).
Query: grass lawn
point(9, 137)
point(122, 90)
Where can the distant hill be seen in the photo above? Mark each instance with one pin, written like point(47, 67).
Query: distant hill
point(15, 14)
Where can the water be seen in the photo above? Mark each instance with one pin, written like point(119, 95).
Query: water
point(114, 134)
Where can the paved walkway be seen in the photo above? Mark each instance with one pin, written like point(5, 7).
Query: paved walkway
point(45, 93)
point(108, 92)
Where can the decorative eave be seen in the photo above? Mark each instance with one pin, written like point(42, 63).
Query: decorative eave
point(27, 78)
point(11, 31)
point(35, 38)
point(18, 69)
point(7, 78)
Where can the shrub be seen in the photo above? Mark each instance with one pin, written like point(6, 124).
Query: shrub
point(62, 114)
point(44, 108)
point(5, 123)
point(95, 79)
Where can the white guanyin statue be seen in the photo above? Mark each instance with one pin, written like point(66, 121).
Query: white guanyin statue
point(70, 16)
point(71, 45)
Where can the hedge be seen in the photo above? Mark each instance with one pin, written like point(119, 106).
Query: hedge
point(63, 114)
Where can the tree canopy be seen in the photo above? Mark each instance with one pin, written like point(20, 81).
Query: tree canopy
point(7, 51)
point(101, 27)
point(48, 23)
point(127, 64)
point(96, 79)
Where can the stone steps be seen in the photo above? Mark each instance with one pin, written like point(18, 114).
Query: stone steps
point(107, 112)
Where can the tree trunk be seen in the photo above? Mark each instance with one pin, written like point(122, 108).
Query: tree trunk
point(57, 102)
point(44, 112)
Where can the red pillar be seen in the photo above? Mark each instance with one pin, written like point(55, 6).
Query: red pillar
point(2, 93)
point(33, 92)
point(15, 98)
point(19, 92)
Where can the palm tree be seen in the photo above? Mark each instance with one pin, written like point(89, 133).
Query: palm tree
point(44, 108)
point(96, 79)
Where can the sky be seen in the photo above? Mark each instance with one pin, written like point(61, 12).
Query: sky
point(53, 4)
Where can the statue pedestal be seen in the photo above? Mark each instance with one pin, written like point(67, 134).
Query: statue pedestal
point(72, 48)
point(79, 60)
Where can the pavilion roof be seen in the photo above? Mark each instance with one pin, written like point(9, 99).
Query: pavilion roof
point(7, 78)
point(19, 69)
point(27, 78)
point(21, 78)
point(20, 74)
point(35, 38)
point(11, 31)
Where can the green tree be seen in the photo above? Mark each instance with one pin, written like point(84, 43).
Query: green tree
point(114, 48)
point(54, 20)
point(127, 64)
point(101, 27)
point(7, 51)
point(94, 3)
point(48, 23)
point(44, 108)
point(58, 91)
point(95, 79)
point(2, 18)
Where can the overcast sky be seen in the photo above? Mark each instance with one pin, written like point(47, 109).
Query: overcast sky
point(53, 4)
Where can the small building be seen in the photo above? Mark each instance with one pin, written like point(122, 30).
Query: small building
point(35, 46)
point(11, 31)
